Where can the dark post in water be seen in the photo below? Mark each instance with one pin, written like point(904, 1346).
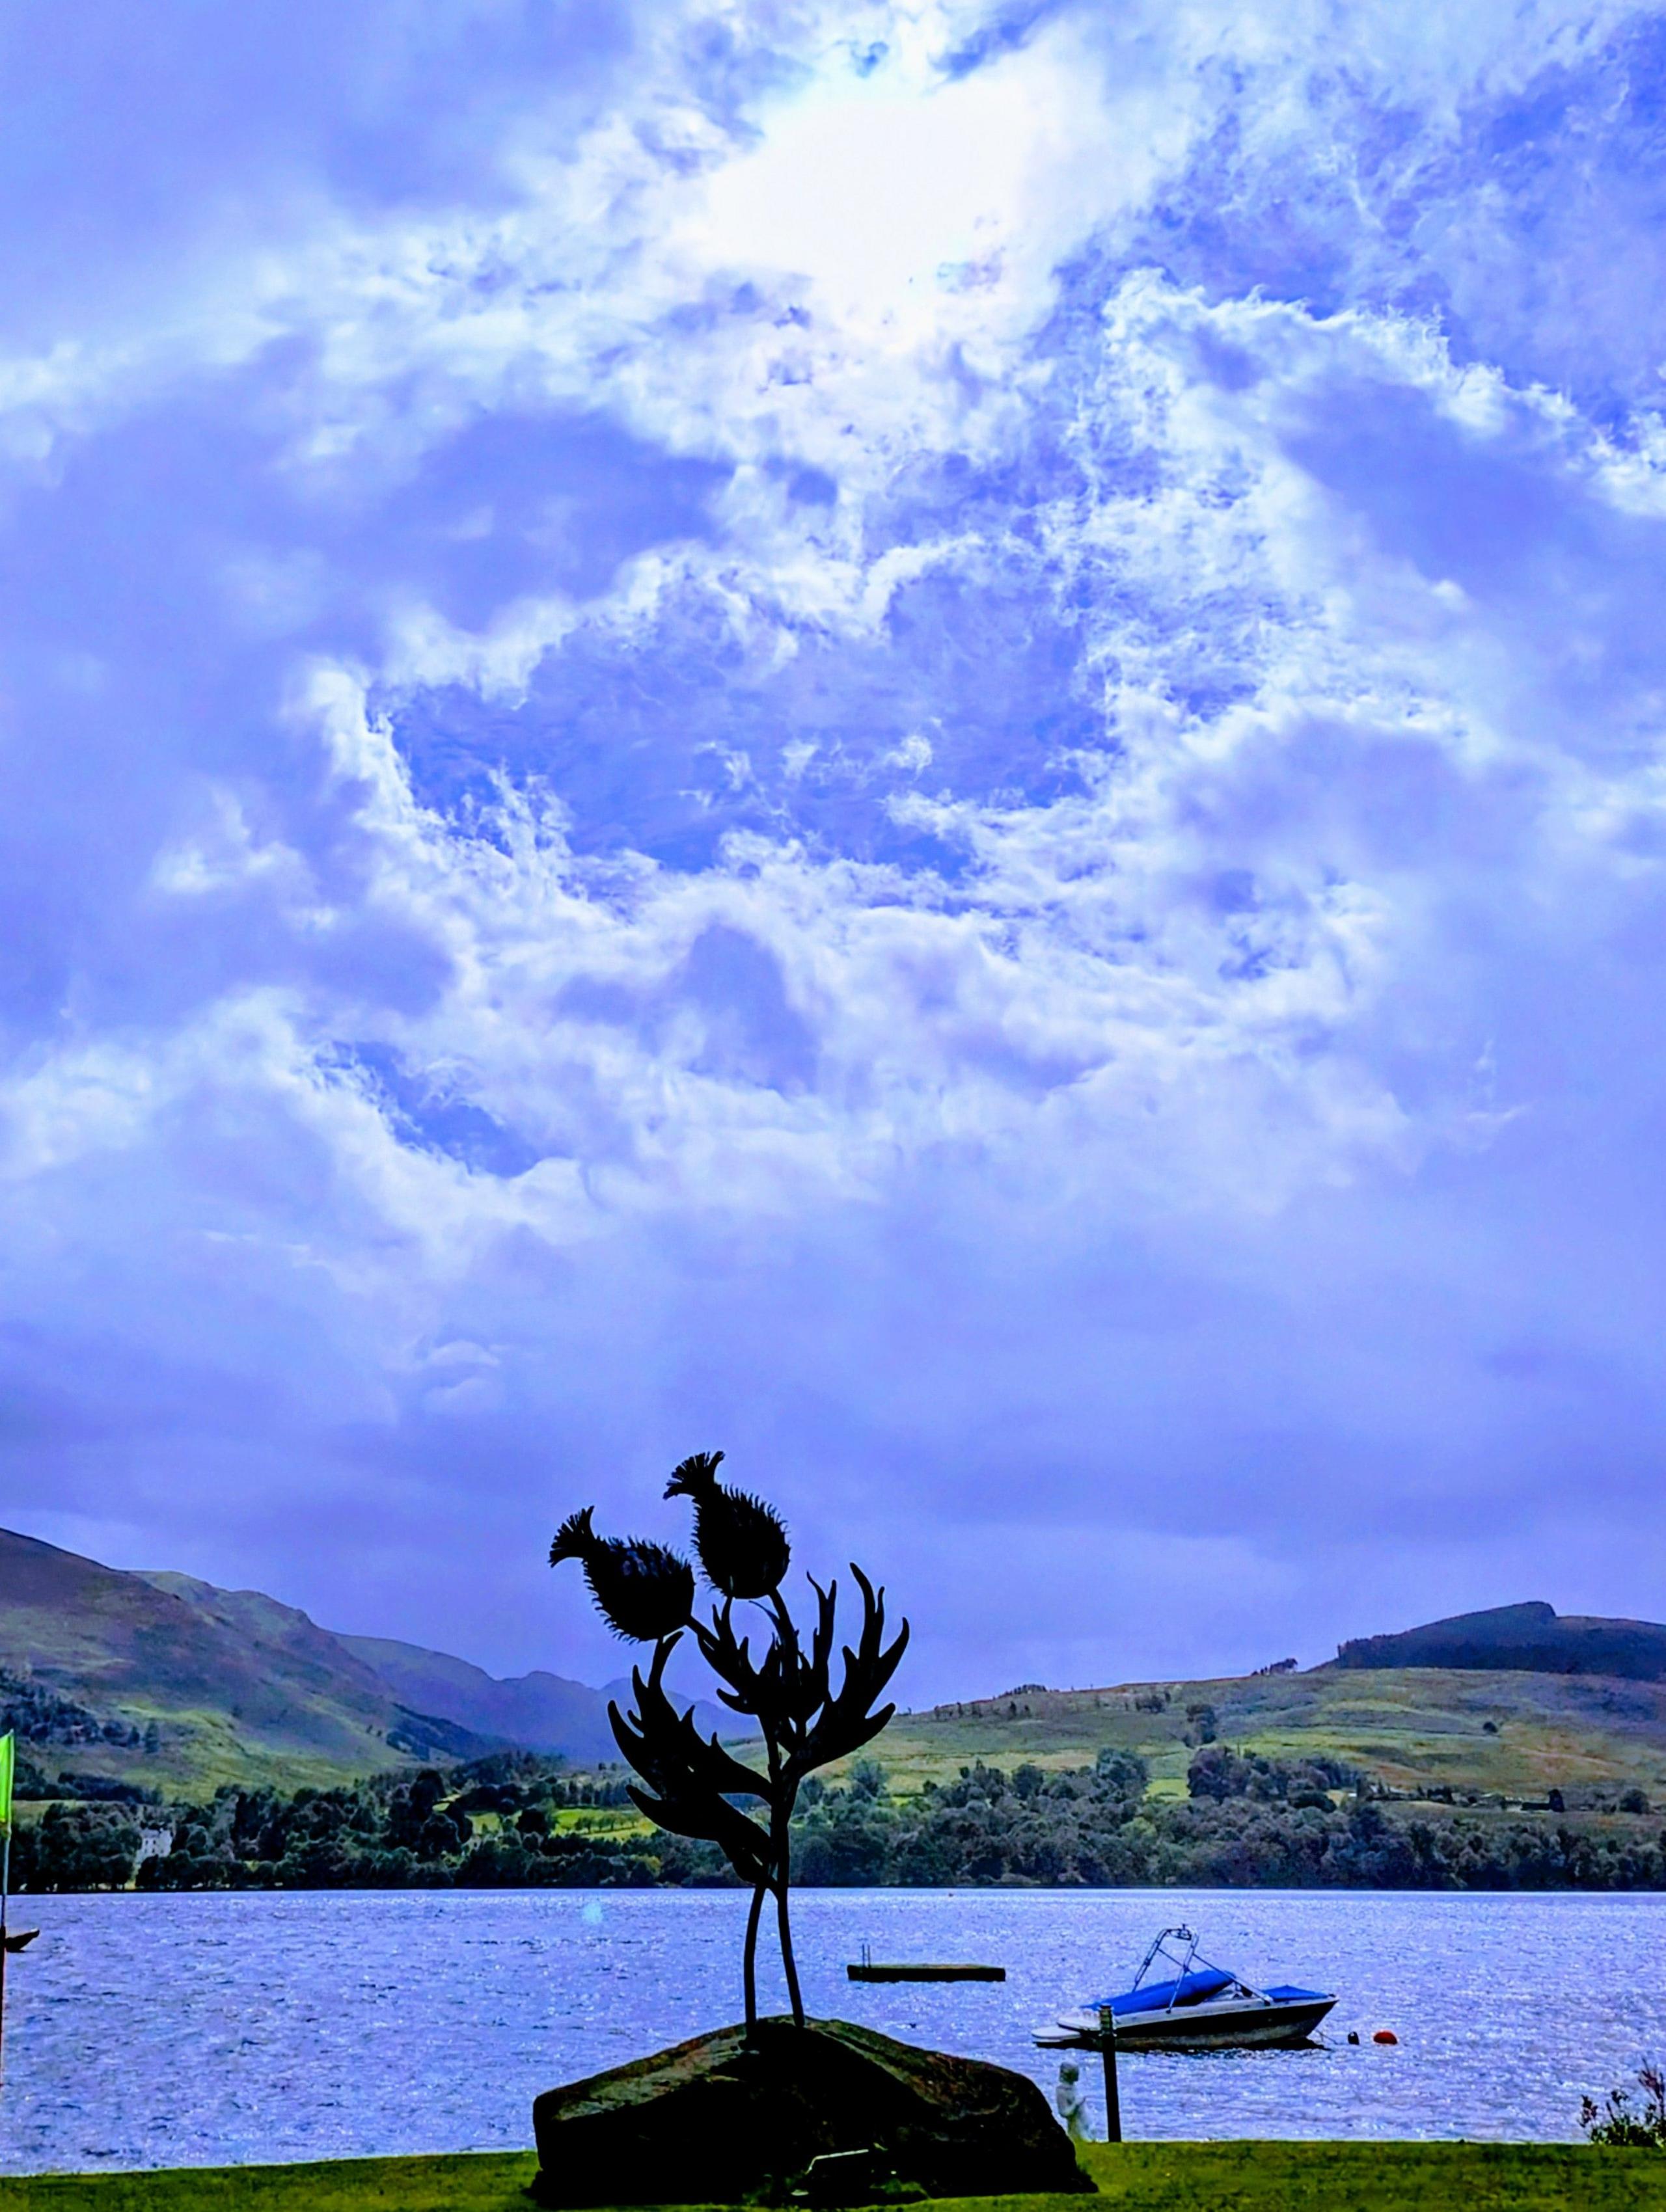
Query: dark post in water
point(1113, 2101)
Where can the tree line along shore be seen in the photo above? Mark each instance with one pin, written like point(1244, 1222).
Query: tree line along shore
point(514, 1820)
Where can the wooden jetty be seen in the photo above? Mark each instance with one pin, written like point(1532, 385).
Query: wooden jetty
point(867, 1971)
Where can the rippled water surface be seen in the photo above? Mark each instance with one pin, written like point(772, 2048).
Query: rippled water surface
point(146, 2031)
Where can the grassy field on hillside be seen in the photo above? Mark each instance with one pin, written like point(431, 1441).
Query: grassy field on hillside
point(1412, 1728)
point(1245, 2177)
point(204, 1748)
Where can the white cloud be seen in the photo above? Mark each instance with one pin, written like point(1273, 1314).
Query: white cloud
point(1039, 893)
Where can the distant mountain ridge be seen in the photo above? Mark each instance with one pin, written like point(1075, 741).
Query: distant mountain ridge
point(538, 1711)
point(1531, 1638)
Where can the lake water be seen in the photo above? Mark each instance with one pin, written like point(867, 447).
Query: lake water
point(160, 2031)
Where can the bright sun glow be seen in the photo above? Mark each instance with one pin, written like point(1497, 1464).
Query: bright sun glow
point(883, 191)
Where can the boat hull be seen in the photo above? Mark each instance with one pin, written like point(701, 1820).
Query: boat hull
point(1198, 2027)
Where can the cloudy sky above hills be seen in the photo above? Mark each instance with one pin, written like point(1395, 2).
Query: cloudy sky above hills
point(927, 739)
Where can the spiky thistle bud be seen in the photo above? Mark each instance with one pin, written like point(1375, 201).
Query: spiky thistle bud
point(741, 1541)
point(642, 1591)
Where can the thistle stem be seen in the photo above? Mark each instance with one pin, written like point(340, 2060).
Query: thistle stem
point(749, 1964)
point(787, 1957)
point(786, 1626)
point(781, 1850)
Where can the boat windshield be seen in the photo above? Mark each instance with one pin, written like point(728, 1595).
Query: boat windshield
point(1193, 1981)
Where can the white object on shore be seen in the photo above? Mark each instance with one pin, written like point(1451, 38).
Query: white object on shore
point(1072, 2103)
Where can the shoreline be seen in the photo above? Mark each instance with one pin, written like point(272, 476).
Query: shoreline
point(1316, 1893)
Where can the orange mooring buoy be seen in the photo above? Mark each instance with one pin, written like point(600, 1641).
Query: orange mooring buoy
point(1386, 2035)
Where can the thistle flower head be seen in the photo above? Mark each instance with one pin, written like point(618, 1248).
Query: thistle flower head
point(576, 1539)
point(642, 1591)
point(695, 1476)
point(741, 1541)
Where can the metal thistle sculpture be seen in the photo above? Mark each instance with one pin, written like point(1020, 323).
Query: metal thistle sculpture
point(646, 1595)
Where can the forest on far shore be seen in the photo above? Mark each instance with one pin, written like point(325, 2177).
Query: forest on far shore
point(515, 1821)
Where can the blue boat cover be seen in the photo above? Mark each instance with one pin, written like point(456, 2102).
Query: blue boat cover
point(1158, 1996)
point(1287, 1993)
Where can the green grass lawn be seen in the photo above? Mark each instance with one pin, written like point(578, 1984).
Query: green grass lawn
point(487, 2183)
point(1224, 2177)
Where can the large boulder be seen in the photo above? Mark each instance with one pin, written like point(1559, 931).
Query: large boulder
point(733, 2115)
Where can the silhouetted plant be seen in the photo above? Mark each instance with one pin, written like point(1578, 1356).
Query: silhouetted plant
point(645, 1593)
point(1615, 2121)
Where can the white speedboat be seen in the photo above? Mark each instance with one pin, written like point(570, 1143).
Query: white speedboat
point(1197, 2007)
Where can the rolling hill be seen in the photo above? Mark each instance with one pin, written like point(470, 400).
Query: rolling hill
point(138, 1677)
point(164, 1681)
point(1530, 1639)
point(169, 1682)
point(1507, 1731)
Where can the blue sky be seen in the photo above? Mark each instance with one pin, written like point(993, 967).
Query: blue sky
point(927, 740)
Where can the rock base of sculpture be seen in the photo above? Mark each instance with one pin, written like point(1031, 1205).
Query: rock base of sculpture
point(731, 2116)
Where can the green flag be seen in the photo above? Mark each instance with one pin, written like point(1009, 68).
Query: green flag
point(8, 1759)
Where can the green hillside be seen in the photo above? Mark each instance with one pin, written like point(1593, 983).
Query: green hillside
point(168, 1683)
point(1413, 1728)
